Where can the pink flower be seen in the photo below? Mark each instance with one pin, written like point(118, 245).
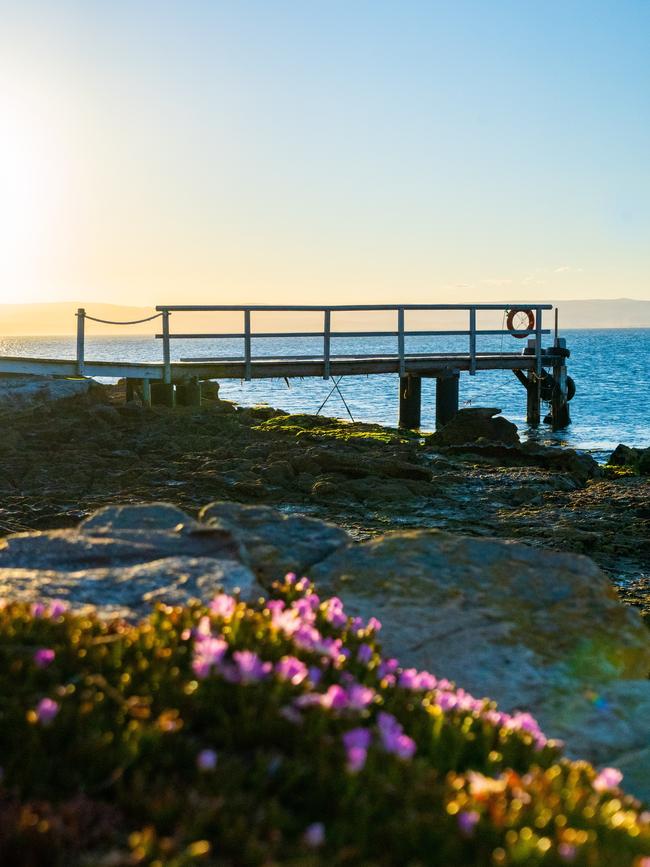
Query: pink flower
point(208, 653)
point(223, 605)
point(43, 657)
point(250, 667)
point(334, 613)
point(206, 760)
point(46, 710)
point(608, 778)
point(373, 625)
point(393, 738)
point(416, 680)
point(467, 821)
point(58, 607)
point(359, 697)
point(37, 609)
point(292, 669)
point(290, 578)
point(314, 835)
point(356, 743)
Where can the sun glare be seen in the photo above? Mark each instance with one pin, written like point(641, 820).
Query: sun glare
point(33, 170)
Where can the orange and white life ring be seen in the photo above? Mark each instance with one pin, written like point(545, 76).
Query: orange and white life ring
point(516, 324)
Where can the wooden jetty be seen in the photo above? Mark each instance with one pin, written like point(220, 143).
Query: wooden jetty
point(542, 370)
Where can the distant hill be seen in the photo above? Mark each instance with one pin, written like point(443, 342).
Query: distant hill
point(59, 318)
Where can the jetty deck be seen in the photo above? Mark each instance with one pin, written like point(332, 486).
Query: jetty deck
point(162, 382)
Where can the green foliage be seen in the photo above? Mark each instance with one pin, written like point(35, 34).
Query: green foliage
point(160, 743)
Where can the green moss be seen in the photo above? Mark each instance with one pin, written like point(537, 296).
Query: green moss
point(322, 428)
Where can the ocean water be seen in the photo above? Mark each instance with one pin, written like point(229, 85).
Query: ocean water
point(611, 368)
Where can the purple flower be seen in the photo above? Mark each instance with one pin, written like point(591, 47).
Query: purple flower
point(290, 578)
point(37, 609)
point(373, 625)
point(206, 760)
point(356, 743)
point(568, 852)
point(250, 667)
point(335, 697)
point(223, 605)
point(46, 710)
point(292, 669)
point(393, 738)
point(208, 653)
point(387, 666)
point(467, 821)
point(608, 778)
point(43, 657)
point(364, 653)
point(315, 675)
point(314, 835)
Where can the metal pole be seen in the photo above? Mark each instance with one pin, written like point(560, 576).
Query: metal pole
point(247, 345)
point(326, 343)
point(81, 322)
point(556, 328)
point(538, 341)
point(167, 367)
point(400, 340)
point(472, 341)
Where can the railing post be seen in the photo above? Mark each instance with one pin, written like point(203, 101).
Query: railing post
point(472, 341)
point(327, 319)
point(167, 367)
point(538, 341)
point(81, 325)
point(400, 340)
point(247, 345)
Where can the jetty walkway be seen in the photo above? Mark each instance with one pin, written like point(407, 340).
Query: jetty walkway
point(541, 369)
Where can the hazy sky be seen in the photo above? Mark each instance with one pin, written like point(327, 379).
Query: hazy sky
point(324, 151)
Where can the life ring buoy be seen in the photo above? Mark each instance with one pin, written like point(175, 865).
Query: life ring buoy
point(520, 331)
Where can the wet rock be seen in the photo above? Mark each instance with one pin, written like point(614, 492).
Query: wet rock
point(624, 456)
point(531, 628)
point(275, 543)
point(476, 423)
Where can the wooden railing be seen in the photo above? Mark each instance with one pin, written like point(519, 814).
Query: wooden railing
point(326, 335)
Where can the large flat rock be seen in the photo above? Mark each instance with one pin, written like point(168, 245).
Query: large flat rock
point(532, 629)
point(275, 543)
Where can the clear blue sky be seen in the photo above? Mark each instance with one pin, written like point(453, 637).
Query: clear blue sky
point(281, 151)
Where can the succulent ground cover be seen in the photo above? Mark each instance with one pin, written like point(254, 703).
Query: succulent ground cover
point(275, 733)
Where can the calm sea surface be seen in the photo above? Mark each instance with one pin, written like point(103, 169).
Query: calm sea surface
point(611, 368)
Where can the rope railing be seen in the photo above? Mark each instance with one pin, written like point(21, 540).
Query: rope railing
point(115, 322)
point(82, 316)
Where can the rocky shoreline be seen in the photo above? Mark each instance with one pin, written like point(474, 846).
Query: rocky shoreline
point(60, 461)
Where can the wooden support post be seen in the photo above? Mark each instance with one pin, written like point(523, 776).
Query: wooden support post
point(146, 392)
point(188, 393)
point(162, 394)
point(533, 392)
point(81, 324)
point(560, 417)
point(410, 402)
point(446, 398)
point(131, 385)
